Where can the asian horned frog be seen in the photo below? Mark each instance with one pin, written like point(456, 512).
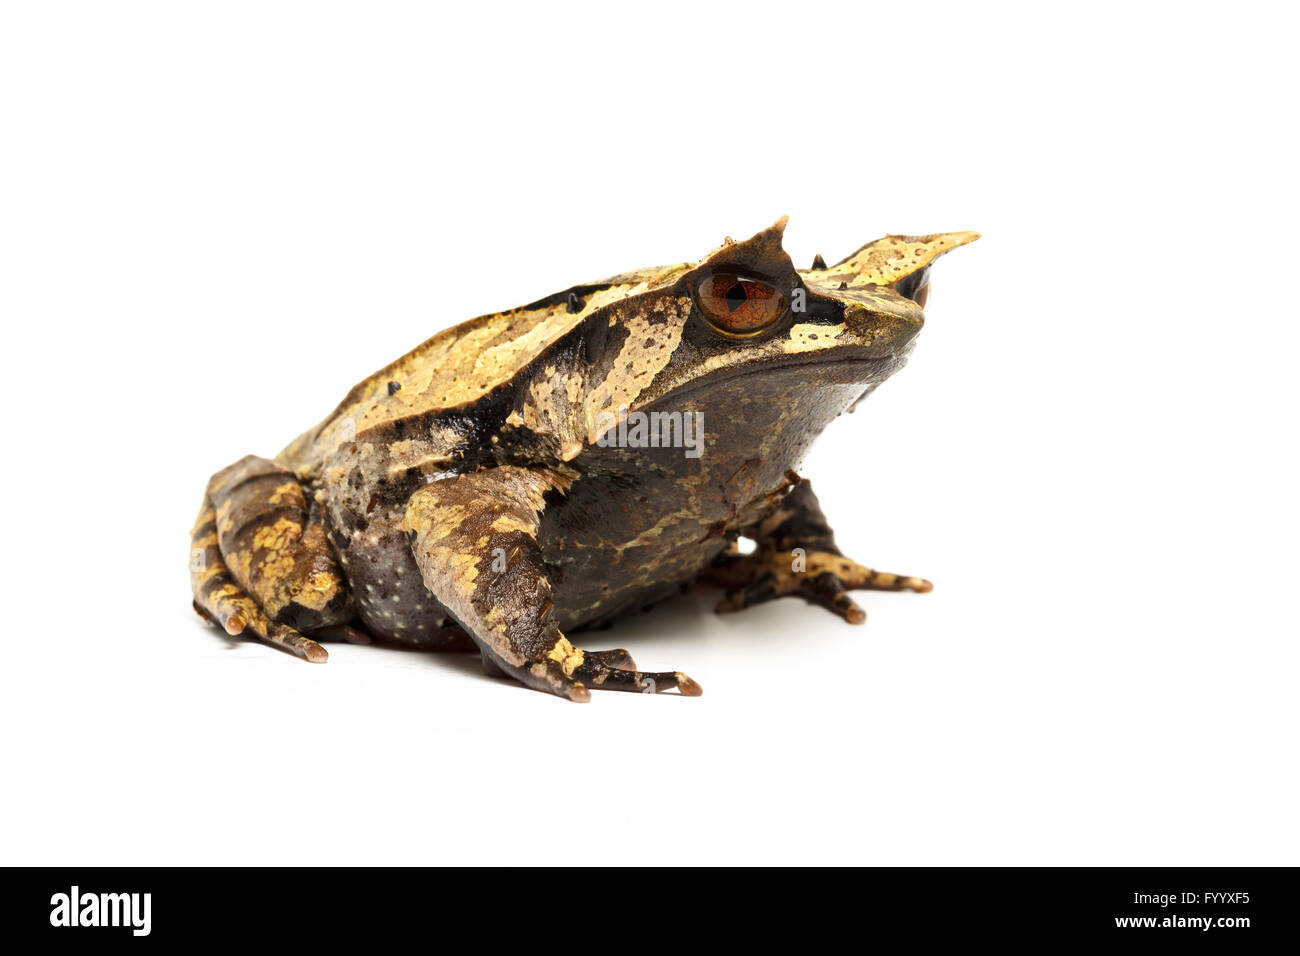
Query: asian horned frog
point(498, 487)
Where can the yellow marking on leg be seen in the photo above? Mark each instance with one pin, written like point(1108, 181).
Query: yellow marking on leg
point(277, 537)
point(566, 655)
point(290, 492)
point(509, 522)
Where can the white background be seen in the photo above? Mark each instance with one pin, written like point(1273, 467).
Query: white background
point(215, 218)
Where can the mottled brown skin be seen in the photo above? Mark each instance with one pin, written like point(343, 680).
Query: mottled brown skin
point(467, 496)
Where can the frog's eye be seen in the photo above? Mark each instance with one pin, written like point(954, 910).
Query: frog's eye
point(739, 306)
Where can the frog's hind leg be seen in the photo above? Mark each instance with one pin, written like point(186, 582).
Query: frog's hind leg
point(219, 599)
point(260, 560)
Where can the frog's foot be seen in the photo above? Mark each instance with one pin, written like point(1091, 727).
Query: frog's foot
point(613, 670)
point(820, 577)
point(571, 672)
point(474, 538)
point(260, 563)
point(226, 605)
point(598, 674)
point(797, 555)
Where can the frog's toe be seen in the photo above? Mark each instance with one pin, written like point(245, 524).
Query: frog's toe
point(616, 657)
point(822, 565)
point(830, 592)
point(857, 577)
point(598, 675)
point(900, 582)
point(285, 638)
point(550, 676)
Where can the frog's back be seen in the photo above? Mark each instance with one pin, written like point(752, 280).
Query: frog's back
point(462, 364)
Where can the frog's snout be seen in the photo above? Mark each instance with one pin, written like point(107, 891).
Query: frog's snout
point(882, 333)
point(883, 288)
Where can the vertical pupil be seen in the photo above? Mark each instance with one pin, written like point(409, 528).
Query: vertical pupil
point(738, 306)
point(735, 296)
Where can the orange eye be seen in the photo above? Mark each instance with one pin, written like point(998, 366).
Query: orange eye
point(739, 306)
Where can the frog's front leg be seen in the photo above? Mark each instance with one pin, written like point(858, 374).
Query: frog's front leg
point(474, 537)
point(796, 555)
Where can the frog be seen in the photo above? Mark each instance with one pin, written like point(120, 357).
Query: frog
point(540, 472)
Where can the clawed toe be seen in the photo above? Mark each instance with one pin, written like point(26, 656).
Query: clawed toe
point(599, 676)
point(830, 592)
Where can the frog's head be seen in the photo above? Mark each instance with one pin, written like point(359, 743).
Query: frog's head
point(744, 315)
point(754, 312)
point(769, 353)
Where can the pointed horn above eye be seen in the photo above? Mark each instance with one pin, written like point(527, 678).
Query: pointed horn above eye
point(892, 258)
point(759, 250)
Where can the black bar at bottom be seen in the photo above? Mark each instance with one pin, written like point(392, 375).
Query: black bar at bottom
point(333, 906)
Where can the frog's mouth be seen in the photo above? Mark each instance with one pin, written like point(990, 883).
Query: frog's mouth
point(843, 369)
